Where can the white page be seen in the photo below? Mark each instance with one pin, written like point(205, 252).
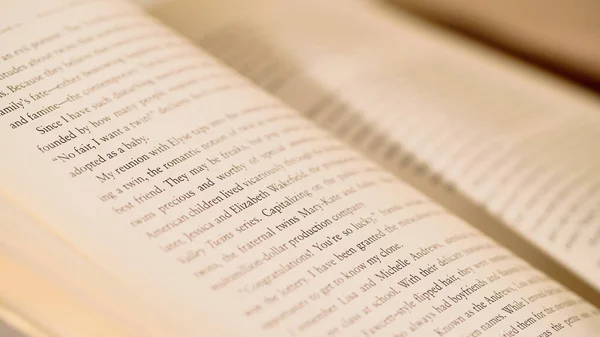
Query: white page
point(35, 255)
point(218, 204)
point(514, 141)
point(39, 309)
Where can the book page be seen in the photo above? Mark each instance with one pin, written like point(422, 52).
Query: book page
point(511, 140)
point(218, 204)
point(12, 325)
point(561, 34)
point(64, 268)
point(39, 309)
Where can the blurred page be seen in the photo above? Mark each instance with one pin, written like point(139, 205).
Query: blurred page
point(562, 34)
point(512, 140)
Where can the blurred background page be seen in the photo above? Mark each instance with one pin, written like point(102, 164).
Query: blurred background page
point(563, 36)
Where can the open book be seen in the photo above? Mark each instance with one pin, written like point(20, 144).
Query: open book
point(294, 168)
